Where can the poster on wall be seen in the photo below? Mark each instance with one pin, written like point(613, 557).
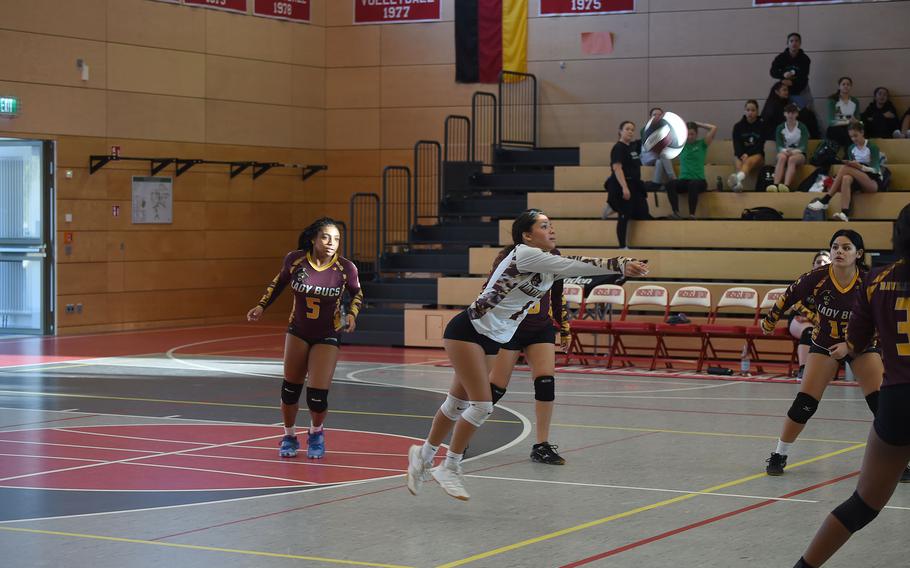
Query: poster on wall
point(396, 11)
point(796, 2)
point(229, 5)
point(292, 10)
point(582, 7)
point(153, 200)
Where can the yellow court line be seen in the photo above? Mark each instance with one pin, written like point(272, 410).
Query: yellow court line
point(697, 433)
point(636, 511)
point(206, 548)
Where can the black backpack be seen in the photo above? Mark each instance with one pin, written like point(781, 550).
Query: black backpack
point(810, 180)
point(762, 214)
point(825, 155)
point(765, 178)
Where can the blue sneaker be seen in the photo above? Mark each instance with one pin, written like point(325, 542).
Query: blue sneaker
point(315, 445)
point(289, 446)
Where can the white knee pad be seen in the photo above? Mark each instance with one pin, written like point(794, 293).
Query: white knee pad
point(478, 412)
point(453, 407)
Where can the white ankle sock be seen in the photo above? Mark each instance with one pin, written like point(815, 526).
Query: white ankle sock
point(783, 448)
point(453, 460)
point(314, 429)
point(428, 452)
point(289, 431)
point(740, 176)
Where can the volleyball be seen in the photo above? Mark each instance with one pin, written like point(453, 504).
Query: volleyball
point(665, 137)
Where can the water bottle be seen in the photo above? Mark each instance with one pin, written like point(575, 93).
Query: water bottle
point(719, 183)
point(744, 362)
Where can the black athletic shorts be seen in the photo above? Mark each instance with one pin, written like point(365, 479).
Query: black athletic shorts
point(334, 339)
point(523, 338)
point(874, 348)
point(461, 329)
point(892, 421)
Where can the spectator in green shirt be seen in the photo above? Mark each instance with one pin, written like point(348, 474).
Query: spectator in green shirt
point(792, 139)
point(691, 169)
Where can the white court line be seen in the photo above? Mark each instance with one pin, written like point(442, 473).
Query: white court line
point(635, 488)
point(49, 457)
point(72, 431)
point(149, 452)
point(306, 463)
point(271, 448)
point(166, 466)
point(127, 460)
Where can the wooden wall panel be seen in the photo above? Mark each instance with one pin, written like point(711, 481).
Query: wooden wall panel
point(423, 86)
point(156, 24)
point(155, 71)
point(402, 127)
point(352, 87)
point(418, 44)
point(308, 86)
point(556, 39)
point(354, 46)
point(592, 81)
point(134, 115)
point(83, 19)
point(835, 27)
point(308, 42)
point(235, 79)
point(248, 37)
point(44, 110)
point(352, 129)
point(718, 32)
point(34, 58)
point(247, 123)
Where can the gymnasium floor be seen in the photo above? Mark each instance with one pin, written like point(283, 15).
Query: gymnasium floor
point(159, 448)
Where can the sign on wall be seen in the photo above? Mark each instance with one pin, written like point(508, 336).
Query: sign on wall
point(229, 5)
point(153, 200)
point(581, 7)
point(395, 11)
point(294, 10)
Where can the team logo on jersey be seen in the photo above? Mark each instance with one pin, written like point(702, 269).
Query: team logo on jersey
point(299, 282)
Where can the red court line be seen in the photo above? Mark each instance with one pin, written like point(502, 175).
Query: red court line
point(48, 421)
point(704, 522)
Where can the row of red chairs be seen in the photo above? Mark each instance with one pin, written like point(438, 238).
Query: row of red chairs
point(603, 300)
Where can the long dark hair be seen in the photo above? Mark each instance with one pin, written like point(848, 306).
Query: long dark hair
point(305, 240)
point(857, 241)
point(522, 224)
point(836, 94)
point(901, 235)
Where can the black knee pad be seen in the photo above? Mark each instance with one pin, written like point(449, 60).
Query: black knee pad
point(496, 392)
point(854, 513)
point(317, 400)
point(872, 401)
point(804, 406)
point(545, 388)
point(806, 337)
point(290, 393)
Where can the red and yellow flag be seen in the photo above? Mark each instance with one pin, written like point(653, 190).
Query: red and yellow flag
point(490, 36)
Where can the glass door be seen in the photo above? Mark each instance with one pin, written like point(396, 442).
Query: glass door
point(26, 229)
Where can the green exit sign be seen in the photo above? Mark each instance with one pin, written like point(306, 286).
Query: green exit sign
point(9, 106)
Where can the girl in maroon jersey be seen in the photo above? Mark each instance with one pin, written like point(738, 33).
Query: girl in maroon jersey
point(319, 278)
point(831, 291)
point(882, 307)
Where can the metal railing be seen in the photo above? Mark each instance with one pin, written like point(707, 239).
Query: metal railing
point(364, 235)
point(396, 206)
point(517, 109)
point(484, 127)
point(427, 180)
point(457, 138)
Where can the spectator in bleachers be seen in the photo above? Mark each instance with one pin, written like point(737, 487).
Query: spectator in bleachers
point(663, 167)
point(625, 192)
point(748, 145)
point(773, 112)
point(904, 129)
point(862, 166)
point(803, 319)
point(881, 117)
point(842, 108)
point(791, 67)
point(792, 142)
point(691, 169)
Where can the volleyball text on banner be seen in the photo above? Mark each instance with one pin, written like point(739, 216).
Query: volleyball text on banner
point(294, 10)
point(229, 5)
point(581, 7)
point(396, 11)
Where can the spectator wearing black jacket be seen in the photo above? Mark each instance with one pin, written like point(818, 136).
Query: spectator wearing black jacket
point(904, 129)
point(881, 117)
point(772, 113)
point(792, 68)
point(748, 145)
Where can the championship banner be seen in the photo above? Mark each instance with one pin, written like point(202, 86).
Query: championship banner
point(228, 5)
point(796, 2)
point(293, 10)
point(583, 7)
point(396, 11)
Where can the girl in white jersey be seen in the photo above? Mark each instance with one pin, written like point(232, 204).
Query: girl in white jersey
point(520, 280)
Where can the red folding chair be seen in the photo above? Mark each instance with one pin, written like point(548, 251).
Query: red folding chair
point(573, 299)
point(688, 297)
point(600, 299)
point(647, 295)
point(754, 334)
point(738, 297)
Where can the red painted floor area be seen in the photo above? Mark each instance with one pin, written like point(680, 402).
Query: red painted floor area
point(241, 340)
point(189, 457)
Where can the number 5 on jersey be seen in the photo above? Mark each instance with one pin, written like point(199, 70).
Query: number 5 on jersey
point(312, 305)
